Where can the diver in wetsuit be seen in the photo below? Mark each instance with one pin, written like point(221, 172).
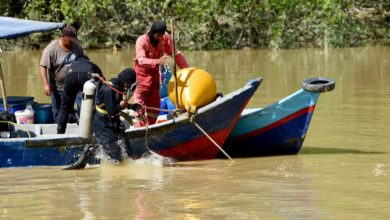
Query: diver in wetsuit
point(107, 126)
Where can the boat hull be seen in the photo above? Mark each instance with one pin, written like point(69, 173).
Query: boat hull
point(182, 140)
point(17, 154)
point(277, 129)
point(177, 138)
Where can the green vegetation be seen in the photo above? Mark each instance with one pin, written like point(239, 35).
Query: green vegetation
point(215, 24)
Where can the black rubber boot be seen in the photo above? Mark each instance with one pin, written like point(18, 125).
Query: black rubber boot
point(87, 153)
point(61, 129)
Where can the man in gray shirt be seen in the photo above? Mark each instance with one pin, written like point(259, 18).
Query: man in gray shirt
point(54, 65)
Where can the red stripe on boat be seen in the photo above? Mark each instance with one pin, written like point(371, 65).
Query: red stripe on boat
point(202, 148)
point(197, 149)
point(282, 121)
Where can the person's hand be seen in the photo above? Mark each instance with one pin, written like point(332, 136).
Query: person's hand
point(47, 90)
point(123, 104)
point(135, 107)
point(163, 60)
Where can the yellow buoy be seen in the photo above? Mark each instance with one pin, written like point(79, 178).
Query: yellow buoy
point(196, 88)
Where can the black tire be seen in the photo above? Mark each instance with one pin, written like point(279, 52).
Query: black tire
point(318, 84)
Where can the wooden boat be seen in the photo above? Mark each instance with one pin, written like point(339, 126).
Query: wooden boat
point(279, 128)
point(177, 138)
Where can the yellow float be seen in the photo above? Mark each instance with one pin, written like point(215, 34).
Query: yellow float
point(196, 88)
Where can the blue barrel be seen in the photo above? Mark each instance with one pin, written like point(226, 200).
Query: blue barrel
point(16, 103)
point(43, 114)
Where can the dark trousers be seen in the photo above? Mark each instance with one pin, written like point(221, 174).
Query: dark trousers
point(107, 133)
point(55, 103)
point(72, 92)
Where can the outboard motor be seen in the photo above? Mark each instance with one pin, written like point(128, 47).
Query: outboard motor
point(87, 109)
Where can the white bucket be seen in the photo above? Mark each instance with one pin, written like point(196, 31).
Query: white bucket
point(24, 117)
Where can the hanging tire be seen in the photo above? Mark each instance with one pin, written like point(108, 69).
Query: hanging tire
point(318, 84)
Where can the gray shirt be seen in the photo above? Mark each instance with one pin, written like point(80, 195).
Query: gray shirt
point(57, 61)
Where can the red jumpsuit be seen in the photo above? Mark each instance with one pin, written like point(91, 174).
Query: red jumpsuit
point(146, 66)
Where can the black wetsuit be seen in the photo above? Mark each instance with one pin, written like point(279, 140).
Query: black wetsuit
point(107, 126)
point(79, 73)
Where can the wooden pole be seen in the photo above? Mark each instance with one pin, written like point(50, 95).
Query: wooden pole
point(2, 84)
point(174, 64)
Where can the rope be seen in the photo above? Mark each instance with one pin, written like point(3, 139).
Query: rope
point(165, 67)
point(103, 80)
point(196, 124)
point(24, 128)
point(159, 109)
point(146, 136)
point(215, 143)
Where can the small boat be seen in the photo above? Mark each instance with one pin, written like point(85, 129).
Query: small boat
point(280, 128)
point(178, 138)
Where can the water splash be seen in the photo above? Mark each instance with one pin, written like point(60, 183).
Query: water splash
point(148, 158)
point(155, 159)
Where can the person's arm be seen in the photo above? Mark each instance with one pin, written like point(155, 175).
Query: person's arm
point(44, 65)
point(45, 80)
point(180, 59)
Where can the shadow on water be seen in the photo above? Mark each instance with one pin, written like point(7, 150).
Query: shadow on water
point(321, 150)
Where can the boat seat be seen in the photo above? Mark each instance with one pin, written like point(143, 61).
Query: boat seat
point(52, 129)
point(20, 130)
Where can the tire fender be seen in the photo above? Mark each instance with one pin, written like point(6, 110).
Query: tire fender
point(318, 84)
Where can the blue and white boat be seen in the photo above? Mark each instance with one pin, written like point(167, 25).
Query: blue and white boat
point(279, 128)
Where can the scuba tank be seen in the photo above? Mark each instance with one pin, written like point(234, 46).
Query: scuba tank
point(87, 109)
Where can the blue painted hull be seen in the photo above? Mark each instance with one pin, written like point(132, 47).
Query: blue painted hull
point(177, 138)
point(277, 129)
point(17, 154)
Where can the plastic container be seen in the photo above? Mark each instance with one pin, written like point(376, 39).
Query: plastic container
point(25, 116)
point(43, 114)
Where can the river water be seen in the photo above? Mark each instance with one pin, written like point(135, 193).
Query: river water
point(342, 171)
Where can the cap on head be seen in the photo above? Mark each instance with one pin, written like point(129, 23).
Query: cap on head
point(127, 76)
point(158, 27)
point(69, 31)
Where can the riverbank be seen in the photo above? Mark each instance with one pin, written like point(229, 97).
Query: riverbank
point(215, 25)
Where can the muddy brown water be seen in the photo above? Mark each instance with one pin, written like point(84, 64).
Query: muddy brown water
point(342, 171)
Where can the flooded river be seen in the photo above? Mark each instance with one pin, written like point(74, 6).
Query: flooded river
point(342, 171)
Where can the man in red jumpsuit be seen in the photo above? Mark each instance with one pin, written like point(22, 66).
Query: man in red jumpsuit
point(151, 50)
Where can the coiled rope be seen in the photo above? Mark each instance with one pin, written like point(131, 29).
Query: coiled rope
point(21, 126)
